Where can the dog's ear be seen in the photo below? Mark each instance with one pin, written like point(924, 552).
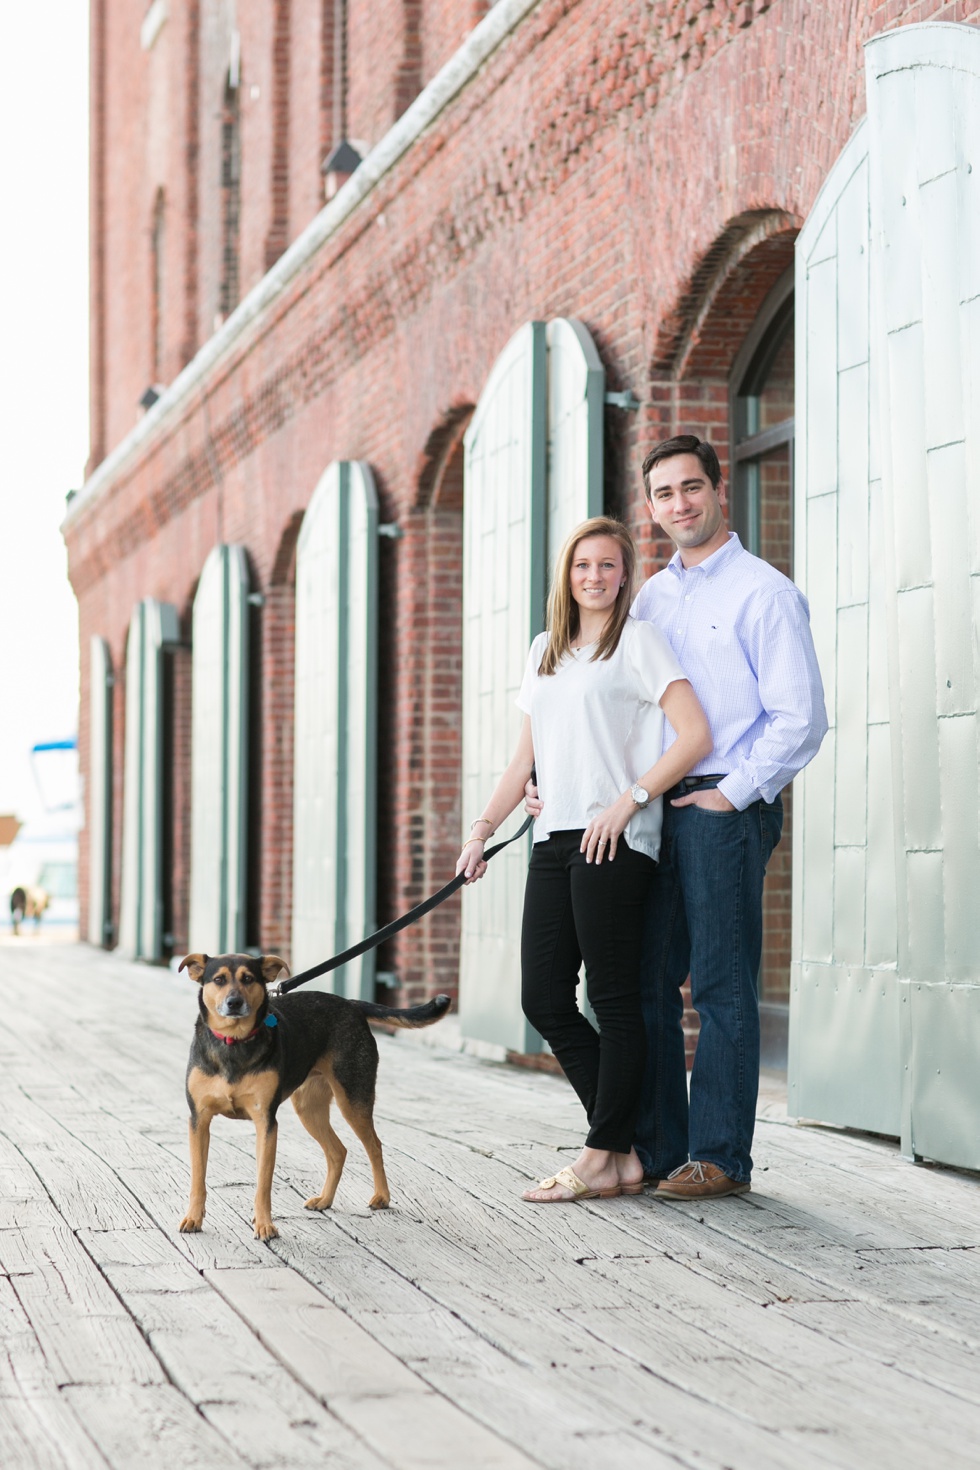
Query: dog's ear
point(194, 965)
point(271, 965)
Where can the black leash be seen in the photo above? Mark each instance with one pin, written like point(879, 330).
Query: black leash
point(412, 917)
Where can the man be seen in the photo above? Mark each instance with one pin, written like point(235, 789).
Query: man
point(741, 632)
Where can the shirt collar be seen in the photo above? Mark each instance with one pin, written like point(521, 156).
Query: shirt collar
point(711, 564)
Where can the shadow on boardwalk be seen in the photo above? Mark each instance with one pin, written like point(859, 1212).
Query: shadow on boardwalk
point(830, 1318)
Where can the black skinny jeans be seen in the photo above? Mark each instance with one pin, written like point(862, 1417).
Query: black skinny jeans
point(575, 911)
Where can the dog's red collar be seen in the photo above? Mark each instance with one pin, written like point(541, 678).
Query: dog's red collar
point(231, 1040)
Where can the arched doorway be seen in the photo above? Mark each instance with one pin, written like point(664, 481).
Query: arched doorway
point(442, 490)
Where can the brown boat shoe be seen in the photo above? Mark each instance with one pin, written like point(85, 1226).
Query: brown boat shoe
point(698, 1180)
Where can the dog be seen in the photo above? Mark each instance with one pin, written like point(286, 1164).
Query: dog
point(249, 1054)
point(18, 908)
point(27, 903)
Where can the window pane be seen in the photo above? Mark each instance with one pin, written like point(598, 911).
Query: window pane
point(762, 507)
point(775, 522)
point(775, 396)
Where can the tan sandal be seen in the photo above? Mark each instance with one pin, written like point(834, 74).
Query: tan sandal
point(568, 1179)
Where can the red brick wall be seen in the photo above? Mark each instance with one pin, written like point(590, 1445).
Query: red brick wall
point(311, 99)
point(445, 26)
point(426, 957)
point(274, 797)
point(640, 166)
point(385, 64)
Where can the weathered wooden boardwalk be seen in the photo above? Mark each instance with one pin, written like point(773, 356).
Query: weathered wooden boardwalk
point(830, 1318)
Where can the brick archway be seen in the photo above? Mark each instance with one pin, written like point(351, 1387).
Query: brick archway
point(274, 655)
point(698, 340)
point(425, 958)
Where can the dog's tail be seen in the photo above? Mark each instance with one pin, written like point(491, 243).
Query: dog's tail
point(423, 1015)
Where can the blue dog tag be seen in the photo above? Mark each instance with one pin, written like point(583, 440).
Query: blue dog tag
point(271, 1021)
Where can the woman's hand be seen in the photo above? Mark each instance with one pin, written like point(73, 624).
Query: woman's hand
point(471, 860)
point(604, 831)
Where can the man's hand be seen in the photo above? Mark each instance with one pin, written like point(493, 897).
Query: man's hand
point(708, 796)
point(533, 804)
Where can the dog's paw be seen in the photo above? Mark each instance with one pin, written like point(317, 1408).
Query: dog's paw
point(379, 1202)
point(190, 1224)
point(317, 1202)
point(265, 1230)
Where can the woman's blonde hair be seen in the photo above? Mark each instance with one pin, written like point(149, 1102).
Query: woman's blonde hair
point(563, 617)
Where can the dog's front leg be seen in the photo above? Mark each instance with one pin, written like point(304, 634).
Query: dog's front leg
point(266, 1134)
point(199, 1132)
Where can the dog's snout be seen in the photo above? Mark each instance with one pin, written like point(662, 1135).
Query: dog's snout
point(233, 1004)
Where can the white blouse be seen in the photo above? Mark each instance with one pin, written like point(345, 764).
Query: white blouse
point(597, 728)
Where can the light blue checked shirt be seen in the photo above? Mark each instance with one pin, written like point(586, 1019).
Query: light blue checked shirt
point(741, 631)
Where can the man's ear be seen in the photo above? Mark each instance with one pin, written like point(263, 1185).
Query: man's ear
point(194, 964)
point(271, 965)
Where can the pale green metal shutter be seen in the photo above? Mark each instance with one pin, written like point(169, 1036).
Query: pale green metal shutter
point(574, 489)
point(335, 752)
point(153, 625)
point(533, 470)
point(219, 754)
point(924, 121)
point(576, 403)
point(504, 515)
point(98, 805)
point(844, 1013)
point(890, 1044)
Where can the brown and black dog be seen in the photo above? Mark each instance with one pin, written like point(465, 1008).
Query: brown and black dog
point(249, 1054)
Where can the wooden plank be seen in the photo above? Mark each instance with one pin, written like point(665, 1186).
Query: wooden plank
point(806, 1379)
point(870, 1328)
point(86, 1334)
point(23, 1367)
point(153, 1427)
point(43, 1433)
point(84, 1187)
point(322, 1346)
point(220, 1364)
point(366, 1386)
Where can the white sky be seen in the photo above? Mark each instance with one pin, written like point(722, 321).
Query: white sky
point(43, 373)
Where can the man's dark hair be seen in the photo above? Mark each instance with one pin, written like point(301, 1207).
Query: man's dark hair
point(683, 444)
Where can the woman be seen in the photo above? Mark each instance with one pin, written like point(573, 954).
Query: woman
point(596, 689)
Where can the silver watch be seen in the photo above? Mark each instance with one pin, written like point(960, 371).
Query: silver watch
point(639, 795)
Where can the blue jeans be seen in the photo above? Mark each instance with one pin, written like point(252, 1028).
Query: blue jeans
point(704, 917)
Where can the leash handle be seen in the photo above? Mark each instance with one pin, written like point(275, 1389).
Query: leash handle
point(396, 925)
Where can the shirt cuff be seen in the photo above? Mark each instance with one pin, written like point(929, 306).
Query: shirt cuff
point(739, 791)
